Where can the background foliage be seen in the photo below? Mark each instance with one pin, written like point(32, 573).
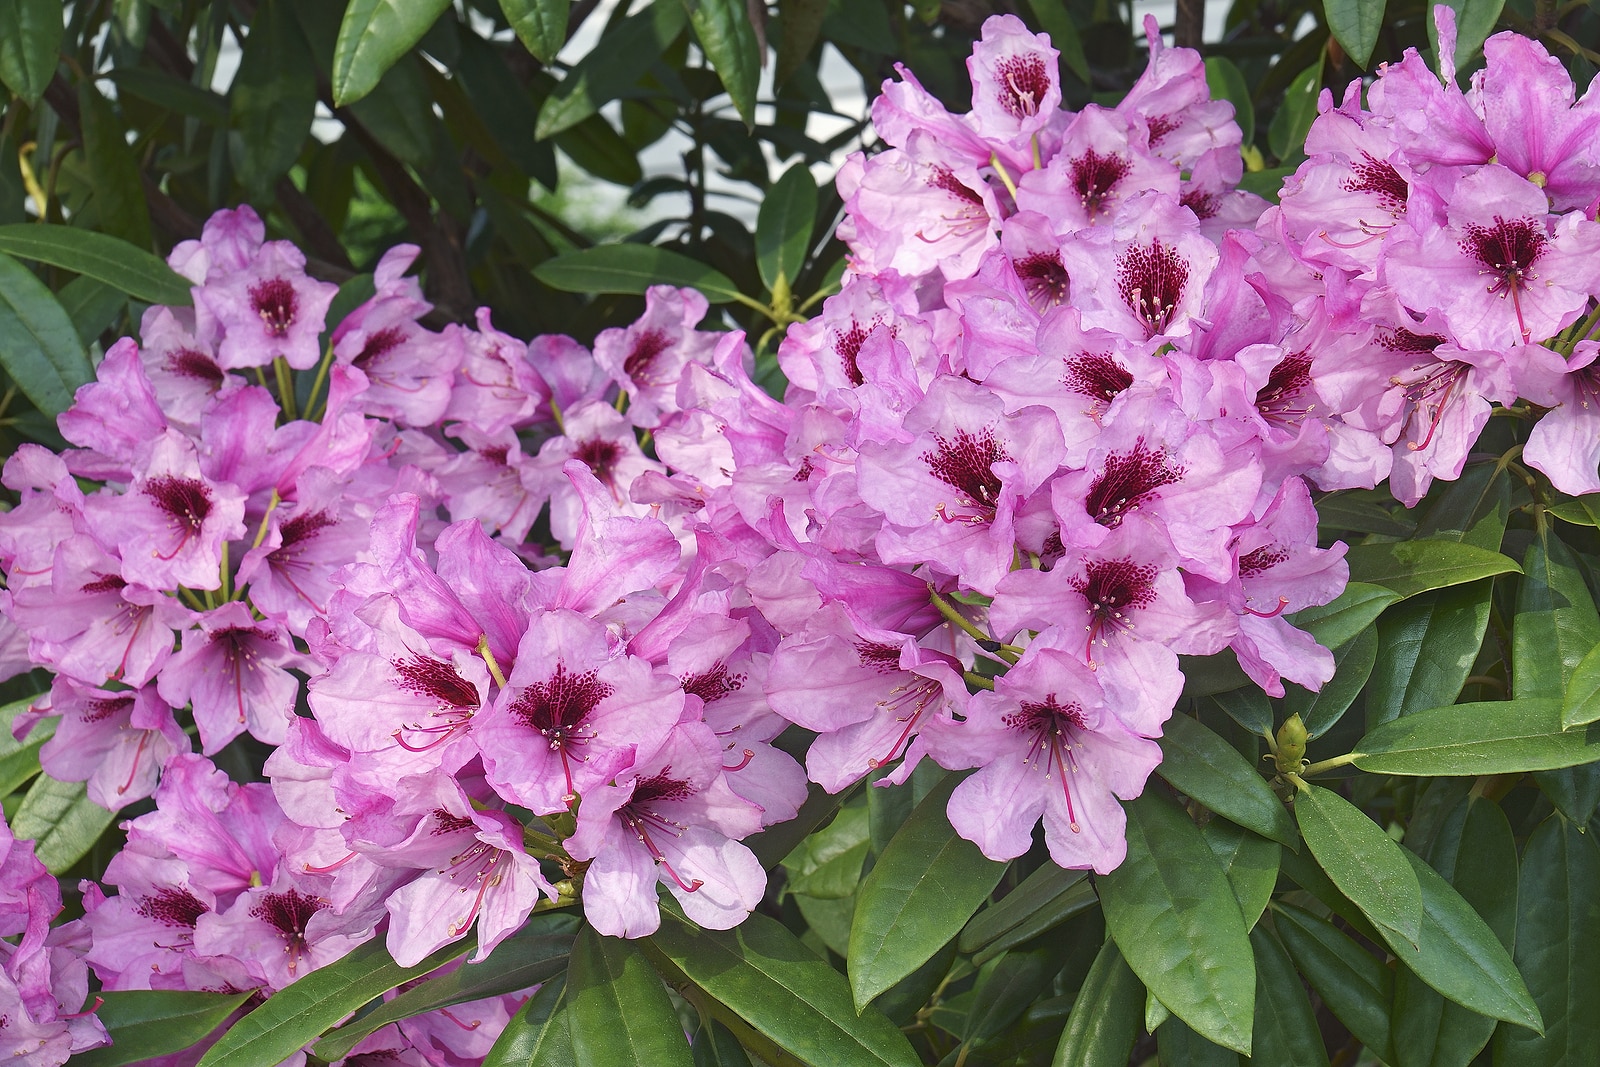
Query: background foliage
point(1442, 908)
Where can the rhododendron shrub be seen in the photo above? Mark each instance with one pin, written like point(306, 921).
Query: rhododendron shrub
point(452, 687)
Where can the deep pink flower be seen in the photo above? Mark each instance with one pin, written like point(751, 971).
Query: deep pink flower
point(233, 670)
point(264, 309)
point(117, 741)
point(1016, 83)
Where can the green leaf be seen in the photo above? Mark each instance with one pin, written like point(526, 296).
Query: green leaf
point(1475, 21)
point(593, 145)
point(1426, 649)
point(728, 40)
point(1581, 703)
point(1287, 134)
point(1176, 921)
point(1583, 511)
point(19, 760)
point(827, 864)
point(1286, 1028)
point(541, 25)
point(372, 38)
point(30, 40)
point(537, 1035)
point(1412, 567)
point(1459, 955)
point(1366, 865)
point(629, 268)
point(1034, 893)
point(1008, 983)
point(1250, 863)
point(1247, 706)
point(1494, 737)
point(1106, 1015)
point(715, 1046)
point(765, 977)
point(399, 114)
point(1354, 986)
point(530, 956)
point(1056, 911)
point(1352, 666)
point(92, 306)
point(125, 267)
point(1178, 1043)
point(1474, 850)
point(783, 227)
point(39, 347)
point(922, 891)
point(1227, 83)
point(612, 67)
point(272, 100)
point(1558, 925)
point(1355, 25)
point(617, 1007)
point(799, 23)
point(1351, 612)
point(1202, 765)
point(171, 94)
point(60, 820)
point(118, 203)
point(1052, 15)
point(293, 1016)
point(146, 1023)
point(1472, 509)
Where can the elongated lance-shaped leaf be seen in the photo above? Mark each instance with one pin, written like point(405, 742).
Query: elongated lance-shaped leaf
point(784, 225)
point(1286, 1028)
point(273, 98)
point(1354, 985)
point(118, 201)
point(1204, 766)
point(617, 1007)
point(541, 25)
point(728, 39)
point(612, 67)
point(1344, 617)
point(146, 1023)
point(294, 1016)
point(39, 347)
point(1412, 567)
point(537, 1035)
point(1426, 648)
point(924, 888)
point(629, 268)
point(30, 43)
point(1352, 666)
point(372, 37)
point(1177, 923)
point(61, 820)
point(1494, 737)
point(1355, 25)
point(1366, 865)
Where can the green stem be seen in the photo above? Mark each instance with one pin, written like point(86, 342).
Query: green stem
point(1582, 332)
point(973, 678)
point(490, 661)
point(285, 377)
point(261, 531)
point(999, 168)
point(222, 570)
point(1328, 764)
point(318, 382)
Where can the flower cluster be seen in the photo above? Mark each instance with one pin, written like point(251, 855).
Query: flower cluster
point(1060, 426)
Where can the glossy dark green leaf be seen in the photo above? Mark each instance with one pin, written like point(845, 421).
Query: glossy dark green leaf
point(1475, 21)
point(1105, 1016)
point(1054, 912)
point(294, 1016)
point(146, 1023)
point(1581, 703)
point(1426, 649)
point(617, 1007)
point(1033, 894)
point(762, 974)
point(1358, 511)
point(783, 227)
point(593, 145)
point(30, 40)
point(118, 202)
point(500, 101)
point(1177, 923)
point(1474, 850)
point(398, 112)
point(1007, 984)
point(827, 865)
point(39, 347)
point(1178, 1043)
point(1412, 567)
point(538, 1034)
point(728, 39)
point(1472, 509)
point(1459, 955)
point(1556, 624)
point(1247, 706)
point(1053, 17)
point(1286, 1030)
point(168, 92)
point(1493, 737)
point(1558, 925)
point(272, 100)
point(1209, 675)
point(1320, 711)
point(715, 1046)
point(1227, 83)
point(372, 37)
point(1354, 985)
point(1366, 865)
point(612, 67)
point(1250, 863)
point(91, 305)
point(1355, 25)
point(1202, 765)
point(924, 888)
point(123, 266)
point(541, 25)
point(61, 821)
point(1583, 511)
point(829, 919)
point(19, 760)
point(1351, 612)
point(1287, 133)
point(535, 953)
point(628, 268)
